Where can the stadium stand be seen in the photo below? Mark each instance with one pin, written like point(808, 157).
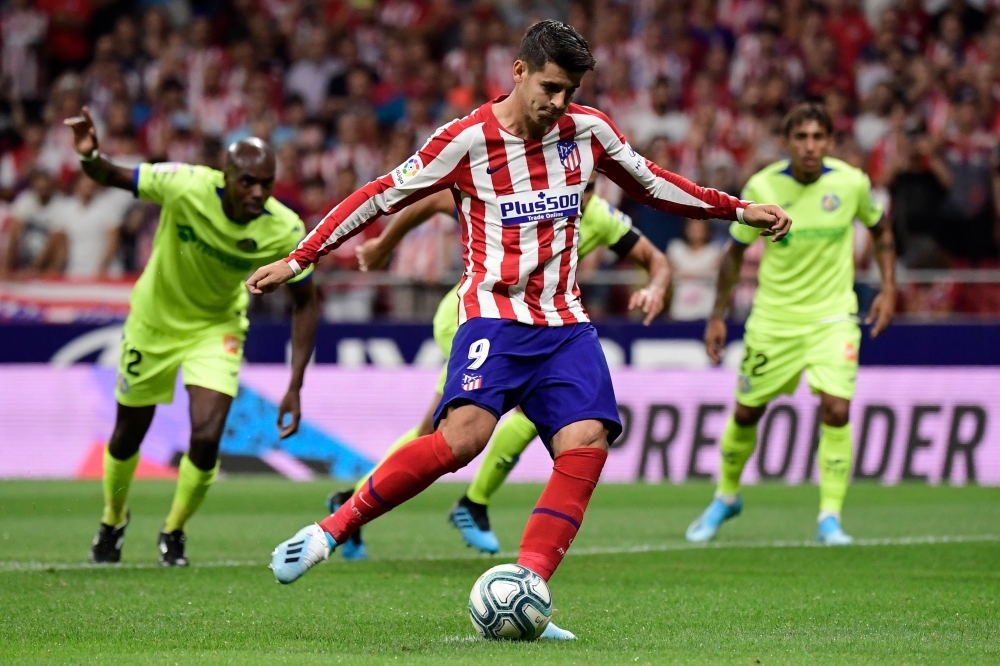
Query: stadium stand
point(346, 89)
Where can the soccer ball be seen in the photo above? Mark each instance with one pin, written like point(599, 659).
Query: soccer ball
point(512, 602)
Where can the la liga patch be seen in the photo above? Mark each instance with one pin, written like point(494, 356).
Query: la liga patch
point(231, 344)
point(407, 170)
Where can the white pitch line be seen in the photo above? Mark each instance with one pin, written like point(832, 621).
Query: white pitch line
point(10, 566)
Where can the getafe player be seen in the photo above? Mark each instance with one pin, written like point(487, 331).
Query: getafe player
point(188, 311)
point(516, 168)
point(601, 224)
point(804, 314)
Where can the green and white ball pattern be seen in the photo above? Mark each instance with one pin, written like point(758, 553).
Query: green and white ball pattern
point(510, 602)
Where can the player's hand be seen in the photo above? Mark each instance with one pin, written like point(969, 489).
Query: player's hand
point(882, 311)
point(650, 301)
point(289, 406)
point(770, 219)
point(373, 255)
point(268, 278)
point(84, 132)
point(715, 339)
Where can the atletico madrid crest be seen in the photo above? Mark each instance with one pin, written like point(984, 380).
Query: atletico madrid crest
point(470, 382)
point(569, 155)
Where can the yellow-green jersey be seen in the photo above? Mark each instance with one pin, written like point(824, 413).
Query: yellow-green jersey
point(200, 259)
point(603, 225)
point(600, 225)
point(809, 275)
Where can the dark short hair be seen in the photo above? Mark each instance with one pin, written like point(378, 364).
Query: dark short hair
point(803, 113)
point(556, 42)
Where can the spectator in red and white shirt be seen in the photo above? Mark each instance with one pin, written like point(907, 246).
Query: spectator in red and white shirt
point(216, 110)
point(22, 34)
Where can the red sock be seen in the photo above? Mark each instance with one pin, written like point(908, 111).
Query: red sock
point(559, 512)
point(404, 474)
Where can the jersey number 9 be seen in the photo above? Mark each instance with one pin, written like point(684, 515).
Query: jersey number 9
point(478, 351)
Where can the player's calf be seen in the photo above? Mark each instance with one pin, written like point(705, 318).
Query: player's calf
point(467, 430)
point(559, 513)
point(354, 548)
point(404, 474)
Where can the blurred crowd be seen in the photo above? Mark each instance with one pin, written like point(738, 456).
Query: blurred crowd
point(346, 89)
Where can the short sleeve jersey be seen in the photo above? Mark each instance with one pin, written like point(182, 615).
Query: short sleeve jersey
point(809, 275)
point(200, 259)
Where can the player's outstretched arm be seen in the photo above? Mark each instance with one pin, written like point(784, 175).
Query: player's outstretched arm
point(644, 181)
point(430, 170)
point(769, 218)
point(650, 299)
point(95, 165)
point(884, 306)
point(305, 319)
point(374, 254)
point(268, 278)
point(729, 275)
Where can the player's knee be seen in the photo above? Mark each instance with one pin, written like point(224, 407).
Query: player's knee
point(748, 416)
point(203, 453)
point(204, 448)
point(130, 428)
point(121, 446)
point(467, 430)
point(426, 427)
point(466, 444)
point(583, 434)
point(835, 412)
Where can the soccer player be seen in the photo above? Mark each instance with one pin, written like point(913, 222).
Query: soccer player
point(516, 168)
point(804, 314)
point(601, 224)
point(188, 311)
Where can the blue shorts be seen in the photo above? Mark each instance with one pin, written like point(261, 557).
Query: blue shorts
point(557, 375)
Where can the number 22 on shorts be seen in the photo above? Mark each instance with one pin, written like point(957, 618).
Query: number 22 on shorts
point(478, 351)
point(135, 358)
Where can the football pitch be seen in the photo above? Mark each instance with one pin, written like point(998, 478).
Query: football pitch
point(923, 586)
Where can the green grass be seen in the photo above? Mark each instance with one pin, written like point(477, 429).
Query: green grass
point(744, 602)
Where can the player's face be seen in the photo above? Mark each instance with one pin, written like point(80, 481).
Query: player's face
point(546, 93)
point(807, 144)
point(249, 189)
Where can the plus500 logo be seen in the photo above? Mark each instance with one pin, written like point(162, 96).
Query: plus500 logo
point(534, 206)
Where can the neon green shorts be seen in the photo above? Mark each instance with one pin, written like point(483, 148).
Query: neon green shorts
point(147, 371)
point(776, 355)
point(445, 328)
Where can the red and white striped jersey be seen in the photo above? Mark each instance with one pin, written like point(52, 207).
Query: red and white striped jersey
point(519, 205)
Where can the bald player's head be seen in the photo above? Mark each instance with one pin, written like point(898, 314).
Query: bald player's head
point(249, 153)
point(249, 173)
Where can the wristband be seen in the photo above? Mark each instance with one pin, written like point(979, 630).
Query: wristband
point(739, 215)
point(94, 154)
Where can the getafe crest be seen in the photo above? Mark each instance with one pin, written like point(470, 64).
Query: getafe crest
point(830, 203)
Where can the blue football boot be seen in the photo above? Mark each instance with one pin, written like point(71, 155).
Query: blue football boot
point(830, 533)
point(292, 558)
point(473, 523)
point(707, 524)
point(354, 549)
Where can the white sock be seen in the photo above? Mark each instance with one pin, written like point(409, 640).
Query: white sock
point(823, 515)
